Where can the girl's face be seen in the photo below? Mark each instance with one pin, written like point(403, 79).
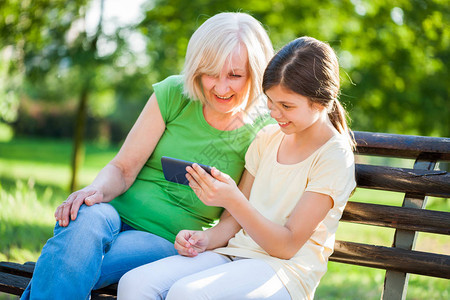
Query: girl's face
point(294, 113)
point(226, 91)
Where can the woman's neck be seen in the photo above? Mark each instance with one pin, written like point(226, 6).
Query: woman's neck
point(223, 121)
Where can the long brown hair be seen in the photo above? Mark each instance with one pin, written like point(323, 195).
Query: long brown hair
point(310, 68)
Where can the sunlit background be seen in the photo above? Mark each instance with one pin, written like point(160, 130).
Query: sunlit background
point(74, 76)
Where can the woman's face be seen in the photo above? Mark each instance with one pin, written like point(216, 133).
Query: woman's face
point(226, 91)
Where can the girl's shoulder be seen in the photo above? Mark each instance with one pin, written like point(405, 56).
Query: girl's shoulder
point(336, 149)
point(338, 141)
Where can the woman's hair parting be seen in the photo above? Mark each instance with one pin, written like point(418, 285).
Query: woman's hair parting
point(309, 67)
point(214, 41)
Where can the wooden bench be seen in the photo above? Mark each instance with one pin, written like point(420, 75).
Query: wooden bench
point(399, 260)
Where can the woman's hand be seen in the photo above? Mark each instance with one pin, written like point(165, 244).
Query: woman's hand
point(216, 190)
point(68, 210)
point(119, 174)
point(191, 243)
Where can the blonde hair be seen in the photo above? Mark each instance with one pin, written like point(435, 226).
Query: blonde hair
point(214, 41)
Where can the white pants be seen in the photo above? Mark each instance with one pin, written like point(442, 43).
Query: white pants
point(206, 276)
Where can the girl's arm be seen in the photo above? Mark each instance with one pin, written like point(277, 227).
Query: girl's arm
point(220, 234)
point(282, 241)
point(118, 175)
point(190, 243)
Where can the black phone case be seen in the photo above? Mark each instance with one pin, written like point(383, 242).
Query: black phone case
point(175, 169)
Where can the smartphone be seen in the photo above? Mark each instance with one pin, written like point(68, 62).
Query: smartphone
point(175, 169)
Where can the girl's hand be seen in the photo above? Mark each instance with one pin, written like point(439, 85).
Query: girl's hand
point(191, 243)
point(216, 190)
point(68, 210)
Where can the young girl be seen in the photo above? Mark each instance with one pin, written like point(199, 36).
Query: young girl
point(299, 175)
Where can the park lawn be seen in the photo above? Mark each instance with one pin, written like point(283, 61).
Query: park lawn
point(34, 176)
point(34, 180)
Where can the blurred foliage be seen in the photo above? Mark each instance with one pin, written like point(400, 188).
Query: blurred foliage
point(394, 55)
point(59, 60)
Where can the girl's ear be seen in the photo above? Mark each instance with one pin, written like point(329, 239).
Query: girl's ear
point(318, 106)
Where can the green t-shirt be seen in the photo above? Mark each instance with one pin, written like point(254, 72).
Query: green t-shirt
point(164, 208)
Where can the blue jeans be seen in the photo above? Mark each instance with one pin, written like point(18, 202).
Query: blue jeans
point(94, 251)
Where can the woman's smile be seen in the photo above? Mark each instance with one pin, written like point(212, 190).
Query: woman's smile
point(223, 99)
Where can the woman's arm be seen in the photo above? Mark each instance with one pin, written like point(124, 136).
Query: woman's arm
point(118, 175)
point(281, 241)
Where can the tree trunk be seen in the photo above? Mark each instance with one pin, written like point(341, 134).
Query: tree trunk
point(78, 147)
point(80, 123)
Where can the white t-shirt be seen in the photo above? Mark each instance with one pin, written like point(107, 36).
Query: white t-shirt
point(275, 192)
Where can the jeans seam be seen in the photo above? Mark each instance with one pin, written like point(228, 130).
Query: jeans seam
point(114, 234)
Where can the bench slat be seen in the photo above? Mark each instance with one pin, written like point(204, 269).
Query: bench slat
point(13, 284)
point(396, 259)
point(15, 277)
point(424, 182)
point(397, 217)
point(108, 291)
point(404, 146)
point(25, 270)
point(96, 296)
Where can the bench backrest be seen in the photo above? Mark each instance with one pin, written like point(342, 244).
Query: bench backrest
point(417, 183)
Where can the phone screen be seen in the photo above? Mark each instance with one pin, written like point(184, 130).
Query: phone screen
point(175, 169)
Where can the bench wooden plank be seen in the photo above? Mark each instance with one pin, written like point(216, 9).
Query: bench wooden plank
point(100, 296)
point(397, 217)
point(25, 269)
point(404, 146)
point(108, 291)
point(425, 182)
point(407, 261)
point(13, 284)
point(15, 277)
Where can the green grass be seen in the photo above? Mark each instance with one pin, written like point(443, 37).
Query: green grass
point(34, 180)
point(35, 173)
point(7, 297)
point(48, 161)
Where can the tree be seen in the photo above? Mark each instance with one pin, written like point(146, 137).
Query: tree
point(59, 59)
